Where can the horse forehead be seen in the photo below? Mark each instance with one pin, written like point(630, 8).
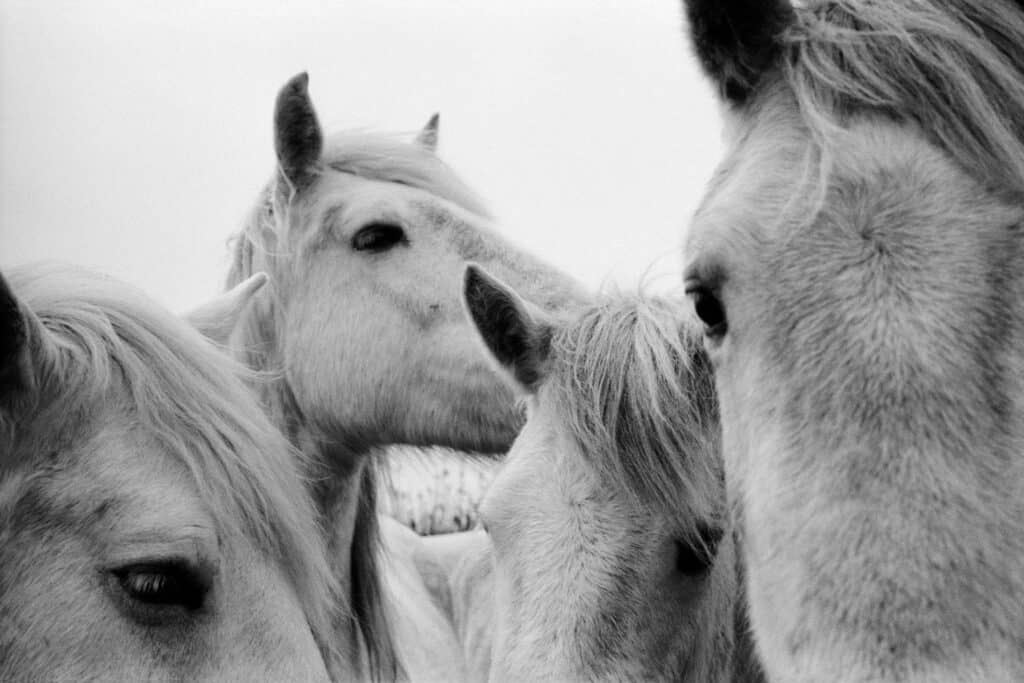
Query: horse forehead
point(768, 151)
point(120, 479)
point(908, 268)
point(885, 181)
point(750, 187)
point(343, 194)
point(892, 204)
point(346, 200)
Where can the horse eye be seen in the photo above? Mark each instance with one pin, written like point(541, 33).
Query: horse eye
point(691, 561)
point(166, 584)
point(378, 237)
point(710, 311)
point(694, 558)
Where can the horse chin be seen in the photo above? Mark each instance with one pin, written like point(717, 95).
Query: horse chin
point(498, 442)
point(485, 418)
point(496, 429)
point(486, 435)
point(483, 427)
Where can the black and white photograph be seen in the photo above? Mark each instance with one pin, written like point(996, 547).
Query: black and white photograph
point(436, 341)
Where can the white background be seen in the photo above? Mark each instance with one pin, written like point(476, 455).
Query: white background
point(134, 135)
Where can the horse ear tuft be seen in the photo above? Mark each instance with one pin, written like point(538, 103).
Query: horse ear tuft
point(427, 137)
point(298, 139)
point(738, 41)
point(518, 338)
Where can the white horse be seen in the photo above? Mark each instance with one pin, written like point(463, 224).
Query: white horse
point(365, 238)
point(456, 572)
point(612, 554)
point(154, 525)
point(858, 264)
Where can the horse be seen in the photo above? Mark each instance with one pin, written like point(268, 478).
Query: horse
point(857, 265)
point(364, 237)
point(612, 554)
point(154, 525)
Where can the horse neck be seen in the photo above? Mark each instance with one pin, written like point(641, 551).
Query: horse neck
point(343, 483)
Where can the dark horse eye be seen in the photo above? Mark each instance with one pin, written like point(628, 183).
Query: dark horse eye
point(163, 584)
point(378, 237)
point(693, 558)
point(710, 311)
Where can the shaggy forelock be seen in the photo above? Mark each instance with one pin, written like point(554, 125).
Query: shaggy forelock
point(390, 158)
point(111, 340)
point(634, 388)
point(954, 68)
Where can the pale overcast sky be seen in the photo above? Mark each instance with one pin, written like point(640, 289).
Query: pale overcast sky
point(134, 135)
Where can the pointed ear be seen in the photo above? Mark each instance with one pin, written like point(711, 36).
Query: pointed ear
point(298, 140)
point(24, 345)
point(428, 136)
point(517, 335)
point(217, 319)
point(738, 41)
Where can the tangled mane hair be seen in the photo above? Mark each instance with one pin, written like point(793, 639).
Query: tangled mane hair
point(107, 343)
point(955, 69)
point(632, 384)
point(260, 245)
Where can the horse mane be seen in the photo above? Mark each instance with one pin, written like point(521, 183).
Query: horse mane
point(953, 68)
point(375, 156)
point(631, 382)
point(111, 339)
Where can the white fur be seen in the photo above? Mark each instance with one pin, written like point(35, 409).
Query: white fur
point(872, 501)
point(136, 444)
point(369, 349)
point(586, 584)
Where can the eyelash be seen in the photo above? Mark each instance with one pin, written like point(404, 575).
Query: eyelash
point(162, 585)
point(378, 237)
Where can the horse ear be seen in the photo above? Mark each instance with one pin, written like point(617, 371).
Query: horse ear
point(517, 335)
point(427, 137)
point(298, 140)
point(23, 343)
point(738, 41)
point(218, 318)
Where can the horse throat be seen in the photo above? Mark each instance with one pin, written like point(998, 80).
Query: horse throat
point(337, 497)
point(345, 492)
